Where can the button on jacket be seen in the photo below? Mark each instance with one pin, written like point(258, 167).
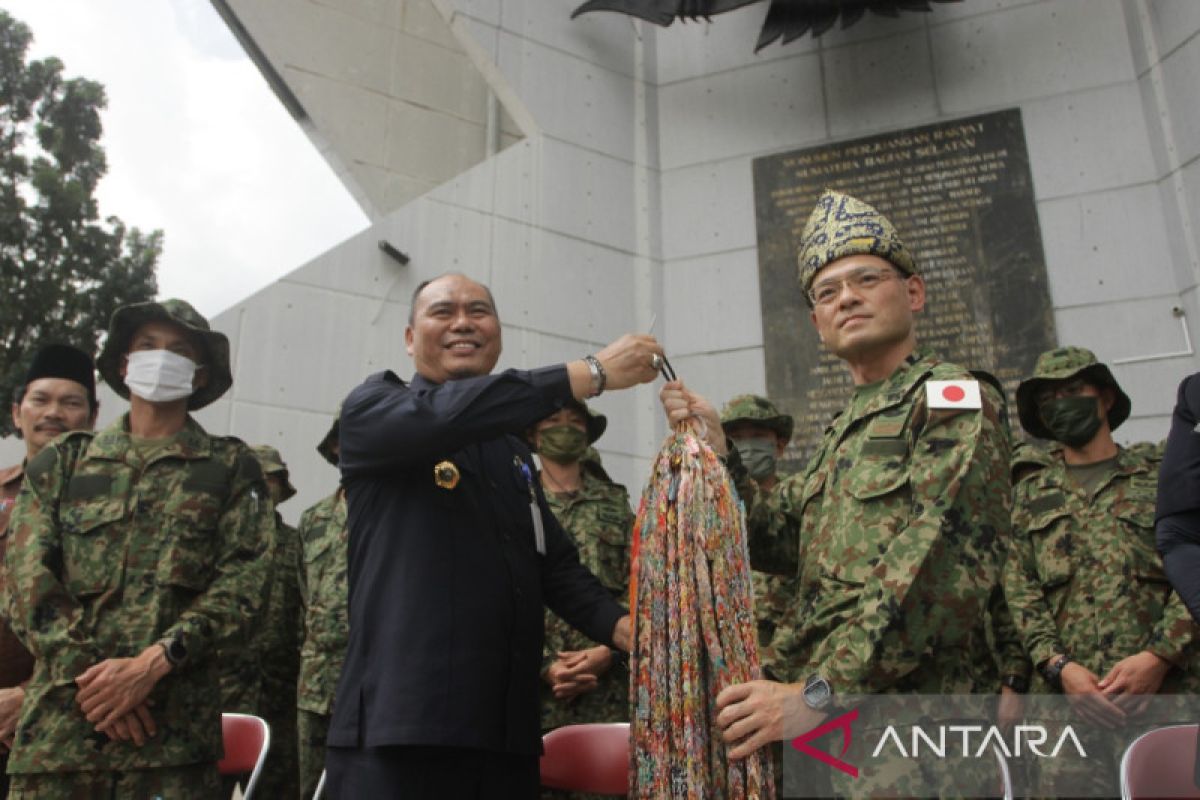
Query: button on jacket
point(446, 586)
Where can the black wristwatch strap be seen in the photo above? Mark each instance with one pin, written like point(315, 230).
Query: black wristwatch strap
point(1052, 672)
point(1018, 683)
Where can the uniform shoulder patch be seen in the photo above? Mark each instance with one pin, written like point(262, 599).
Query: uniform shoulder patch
point(954, 394)
point(67, 450)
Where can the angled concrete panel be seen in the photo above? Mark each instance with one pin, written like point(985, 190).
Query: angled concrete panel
point(708, 208)
point(879, 84)
point(570, 98)
point(1088, 141)
point(1174, 22)
point(1179, 71)
point(1092, 256)
point(748, 110)
point(994, 60)
point(713, 303)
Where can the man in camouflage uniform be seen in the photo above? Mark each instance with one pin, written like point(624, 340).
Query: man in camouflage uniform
point(584, 681)
point(136, 553)
point(280, 637)
point(1084, 581)
point(58, 395)
point(761, 434)
point(899, 511)
point(323, 534)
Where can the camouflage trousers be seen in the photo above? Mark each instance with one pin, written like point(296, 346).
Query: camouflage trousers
point(312, 729)
point(912, 777)
point(189, 782)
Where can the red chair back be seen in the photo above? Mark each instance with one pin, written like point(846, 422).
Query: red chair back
point(1161, 763)
point(247, 739)
point(593, 758)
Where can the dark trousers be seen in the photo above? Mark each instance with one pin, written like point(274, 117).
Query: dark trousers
point(429, 773)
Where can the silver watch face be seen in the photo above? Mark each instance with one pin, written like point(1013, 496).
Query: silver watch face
point(817, 693)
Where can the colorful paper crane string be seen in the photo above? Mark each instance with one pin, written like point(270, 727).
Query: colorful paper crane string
point(694, 630)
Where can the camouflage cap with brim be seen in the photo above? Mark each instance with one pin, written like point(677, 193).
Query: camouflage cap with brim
point(596, 423)
point(840, 226)
point(127, 319)
point(327, 447)
point(1062, 364)
point(758, 410)
point(272, 464)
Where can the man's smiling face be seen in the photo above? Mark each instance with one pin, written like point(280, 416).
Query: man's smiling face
point(455, 332)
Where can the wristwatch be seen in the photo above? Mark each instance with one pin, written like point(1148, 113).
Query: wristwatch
point(599, 376)
point(1018, 683)
point(818, 694)
point(1053, 672)
point(175, 650)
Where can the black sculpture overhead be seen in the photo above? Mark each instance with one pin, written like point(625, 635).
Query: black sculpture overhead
point(786, 19)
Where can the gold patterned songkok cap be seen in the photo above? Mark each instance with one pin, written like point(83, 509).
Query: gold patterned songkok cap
point(841, 226)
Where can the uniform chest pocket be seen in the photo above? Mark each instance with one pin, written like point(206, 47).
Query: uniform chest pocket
point(610, 552)
point(1053, 549)
point(93, 545)
point(1138, 519)
point(316, 547)
point(189, 553)
point(875, 476)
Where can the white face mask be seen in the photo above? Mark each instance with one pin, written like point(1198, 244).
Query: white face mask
point(159, 376)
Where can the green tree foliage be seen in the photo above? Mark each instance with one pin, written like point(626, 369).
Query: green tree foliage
point(63, 270)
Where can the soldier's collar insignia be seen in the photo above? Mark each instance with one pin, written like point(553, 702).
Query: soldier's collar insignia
point(446, 474)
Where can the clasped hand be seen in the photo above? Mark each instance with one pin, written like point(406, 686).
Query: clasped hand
point(113, 694)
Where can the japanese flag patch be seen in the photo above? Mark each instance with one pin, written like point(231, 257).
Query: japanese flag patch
point(953, 394)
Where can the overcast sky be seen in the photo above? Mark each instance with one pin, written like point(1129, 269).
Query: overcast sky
point(197, 145)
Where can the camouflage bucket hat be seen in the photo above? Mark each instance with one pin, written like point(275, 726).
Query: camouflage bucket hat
point(127, 319)
point(1064, 364)
point(841, 226)
point(272, 464)
point(596, 423)
point(758, 410)
point(325, 448)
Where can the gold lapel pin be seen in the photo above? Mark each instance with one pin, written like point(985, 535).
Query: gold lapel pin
point(445, 474)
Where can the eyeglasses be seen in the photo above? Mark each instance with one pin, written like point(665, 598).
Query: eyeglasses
point(1072, 388)
point(864, 279)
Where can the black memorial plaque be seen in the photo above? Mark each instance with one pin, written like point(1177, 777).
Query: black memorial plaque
point(961, 195)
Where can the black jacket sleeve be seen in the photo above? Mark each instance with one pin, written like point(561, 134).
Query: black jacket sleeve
point(386, 424)
point(1179, 473)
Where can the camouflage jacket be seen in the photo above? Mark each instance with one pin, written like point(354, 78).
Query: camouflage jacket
point(272, 661)
point(773, 594)
point(599, 520)
point(901, 514)
point(326, 628)
point(283, 619)
point(111, 555)
point(1083, 576)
